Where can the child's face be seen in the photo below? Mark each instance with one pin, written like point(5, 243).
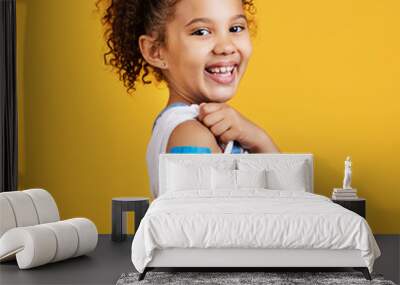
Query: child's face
point(221, 38)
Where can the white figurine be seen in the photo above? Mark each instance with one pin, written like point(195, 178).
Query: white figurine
point(347, 174)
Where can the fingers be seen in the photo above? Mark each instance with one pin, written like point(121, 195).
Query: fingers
point(229, 135)
point(217, 118)
point(220, 127)
point(207, 108)
point(213, 118)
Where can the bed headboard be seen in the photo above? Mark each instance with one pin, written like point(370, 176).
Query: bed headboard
point(166, 158)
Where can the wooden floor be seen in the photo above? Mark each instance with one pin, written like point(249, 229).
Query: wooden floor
point(111, 259)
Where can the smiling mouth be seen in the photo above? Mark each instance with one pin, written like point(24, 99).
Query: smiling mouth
point(223, 74)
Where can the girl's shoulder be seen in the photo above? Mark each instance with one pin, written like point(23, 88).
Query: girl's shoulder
point(192, 134)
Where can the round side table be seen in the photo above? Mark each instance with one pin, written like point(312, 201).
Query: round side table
point(120, 206)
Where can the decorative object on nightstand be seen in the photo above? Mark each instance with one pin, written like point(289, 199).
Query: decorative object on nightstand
point(347, 192)
point(357, 205)
point(119, 208)
point(347, 173)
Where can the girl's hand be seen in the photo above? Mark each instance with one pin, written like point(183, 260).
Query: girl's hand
point(228, 124)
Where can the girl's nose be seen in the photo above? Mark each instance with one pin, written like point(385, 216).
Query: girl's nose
point(224, 46)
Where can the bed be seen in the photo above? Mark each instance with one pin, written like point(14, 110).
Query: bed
point(247, 211)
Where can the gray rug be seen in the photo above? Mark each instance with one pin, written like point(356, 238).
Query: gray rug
point(229, 278)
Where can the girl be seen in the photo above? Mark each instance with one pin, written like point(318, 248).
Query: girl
point(201, 49)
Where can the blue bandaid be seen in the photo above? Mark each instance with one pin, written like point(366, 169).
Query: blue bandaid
point(190, 149)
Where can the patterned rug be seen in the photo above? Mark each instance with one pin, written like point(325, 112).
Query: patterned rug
point(269, 278)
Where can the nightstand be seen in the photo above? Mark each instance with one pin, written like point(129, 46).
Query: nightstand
point(357, 205)
point(119, 208)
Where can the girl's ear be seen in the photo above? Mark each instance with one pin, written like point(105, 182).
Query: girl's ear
point(151, 51)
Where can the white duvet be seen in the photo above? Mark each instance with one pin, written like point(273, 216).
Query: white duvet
point(251, 218)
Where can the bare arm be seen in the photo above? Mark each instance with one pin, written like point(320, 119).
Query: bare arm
point(193, 133)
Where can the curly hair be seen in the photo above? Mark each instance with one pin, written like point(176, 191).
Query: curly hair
point(126, 20)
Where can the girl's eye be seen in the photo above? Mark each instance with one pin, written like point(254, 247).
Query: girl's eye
point(200, 32)
point(236, 29)
point(203, 32)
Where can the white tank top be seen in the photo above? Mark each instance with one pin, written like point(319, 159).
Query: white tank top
point(165, 123)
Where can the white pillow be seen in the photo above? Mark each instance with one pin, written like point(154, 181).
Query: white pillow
point(282, 174)
point(223, 179)
point(288, 179)
point(251, 178)
point(182, 177)
point(237, 179)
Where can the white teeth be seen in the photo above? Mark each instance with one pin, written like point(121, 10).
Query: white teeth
point(223, 69)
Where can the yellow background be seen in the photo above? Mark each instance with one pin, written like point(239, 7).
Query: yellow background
point(324, 79)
